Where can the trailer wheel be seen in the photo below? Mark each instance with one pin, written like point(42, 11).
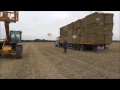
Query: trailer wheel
point(72, 46)
point(78, 47)
point(82, 48)
point(19, 52)
point(75, 47)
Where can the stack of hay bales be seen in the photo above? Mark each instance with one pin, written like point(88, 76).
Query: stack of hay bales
point(63, 33)
point(95, 28)
point(70, 31)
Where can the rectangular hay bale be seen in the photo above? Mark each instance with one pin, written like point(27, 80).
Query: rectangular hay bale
point(70, 33)
point(69, 39)
point(109, 18)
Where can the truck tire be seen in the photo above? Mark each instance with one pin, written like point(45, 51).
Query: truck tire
point(19, 51)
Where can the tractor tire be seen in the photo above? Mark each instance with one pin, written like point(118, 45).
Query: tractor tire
point(19, 51)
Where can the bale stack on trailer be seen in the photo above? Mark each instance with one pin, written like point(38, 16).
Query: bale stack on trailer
point(94, 29)
point(98, 28)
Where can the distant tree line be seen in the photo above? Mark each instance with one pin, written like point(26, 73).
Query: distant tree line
point(38, 40)
point(116, 40)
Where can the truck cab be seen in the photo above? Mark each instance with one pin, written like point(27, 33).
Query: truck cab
point(57, 43)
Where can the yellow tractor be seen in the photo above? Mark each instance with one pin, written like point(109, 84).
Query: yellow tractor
point(13, 42)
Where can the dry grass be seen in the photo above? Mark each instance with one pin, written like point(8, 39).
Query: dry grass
point(43, 61)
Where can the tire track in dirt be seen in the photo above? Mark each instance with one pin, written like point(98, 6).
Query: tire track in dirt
point(88, 66)
point(45, 69)
point(44, 61)
point(10, 66)
point(63, 65)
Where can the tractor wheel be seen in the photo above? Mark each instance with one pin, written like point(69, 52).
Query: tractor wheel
point(19, 52)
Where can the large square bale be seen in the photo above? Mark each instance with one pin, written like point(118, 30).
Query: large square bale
point(78, 31)
point(82, 31)
point(95, 18)
point(95, 38)
point(74, 32)
point(109, 25)
point(70, 33)
point(84, 22)
point(69, 39)
point(74, 40)
point(75, 25)
point(109, 18)
point(82, 39)
point(79, 23)
point(108, 38)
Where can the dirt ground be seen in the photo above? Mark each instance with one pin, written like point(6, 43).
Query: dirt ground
point(41, 60)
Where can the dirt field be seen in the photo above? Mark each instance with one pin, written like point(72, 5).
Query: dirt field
point(44, 61)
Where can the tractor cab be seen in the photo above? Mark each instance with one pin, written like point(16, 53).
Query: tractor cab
point(15, 39)
point(15, 36)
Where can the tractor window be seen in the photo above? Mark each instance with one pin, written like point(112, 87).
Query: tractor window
point(15, 36)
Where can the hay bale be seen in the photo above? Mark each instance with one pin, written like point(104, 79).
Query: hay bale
point(109, 18)
point(108, 38)
point(70, 39)
point(82, 31)
point(70, 33)
point(78, 39)
point(109, 25)
point(79, 23)
point(65, 33)
point(83, 22)
point(74, 40)
point(90, 29)
point(75, 25)
point(98, 28)
point(94, 18)
point(108, 32)
point(74, 32)
point(71, 25)
point(94, 38)
point(78, 31)
point(62, 39)
point(81, 39)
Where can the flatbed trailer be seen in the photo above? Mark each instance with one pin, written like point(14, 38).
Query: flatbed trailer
point(87, 46)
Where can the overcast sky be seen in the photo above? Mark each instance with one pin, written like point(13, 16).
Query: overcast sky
point(37, 24)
